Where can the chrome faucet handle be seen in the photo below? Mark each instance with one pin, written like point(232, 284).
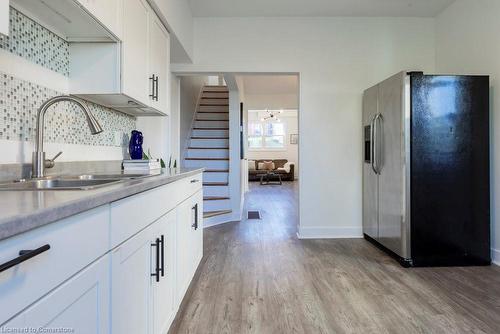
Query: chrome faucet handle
point(49, 163)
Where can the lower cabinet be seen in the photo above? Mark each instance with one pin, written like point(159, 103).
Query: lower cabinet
point(142, 280)
point(81, 305)
point(189, 241)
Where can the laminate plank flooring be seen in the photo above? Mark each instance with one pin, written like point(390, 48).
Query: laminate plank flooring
point(257, 277)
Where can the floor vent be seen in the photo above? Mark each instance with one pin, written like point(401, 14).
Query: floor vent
point(254, 215)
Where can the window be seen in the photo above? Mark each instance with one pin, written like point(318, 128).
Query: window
point(266, 135)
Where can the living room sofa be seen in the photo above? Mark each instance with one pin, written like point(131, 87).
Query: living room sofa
point(278, 163)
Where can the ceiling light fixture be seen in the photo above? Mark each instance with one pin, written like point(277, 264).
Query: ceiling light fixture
point(272, 115)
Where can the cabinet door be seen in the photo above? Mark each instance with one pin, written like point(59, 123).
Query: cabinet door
point(135, 44)
point(163, 291)
point(159, 61)
point(131, 287)
point(108, 12)
point(189, 241)
point(80, 305)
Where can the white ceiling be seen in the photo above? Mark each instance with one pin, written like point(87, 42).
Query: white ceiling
point(374, 8)
point(270, 84)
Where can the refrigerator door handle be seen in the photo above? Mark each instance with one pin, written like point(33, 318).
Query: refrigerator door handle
point(372, 141)
point(378, 148)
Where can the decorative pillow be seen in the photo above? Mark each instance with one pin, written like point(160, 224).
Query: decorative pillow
point(251, 165)
point(260, 166)
point(268, 165)
point(286, 167)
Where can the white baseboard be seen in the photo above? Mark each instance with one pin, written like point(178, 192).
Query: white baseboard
point(495, 256)
point(329, 232)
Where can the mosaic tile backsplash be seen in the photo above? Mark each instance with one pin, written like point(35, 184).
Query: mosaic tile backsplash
point(20, 99)
point(36, 43)
point(64, 123)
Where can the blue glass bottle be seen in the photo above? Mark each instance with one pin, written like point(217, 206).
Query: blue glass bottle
point(135, 145)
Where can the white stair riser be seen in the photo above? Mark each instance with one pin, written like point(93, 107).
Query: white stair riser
point(222, 191)
point(216, 205)
point(215, 177)
point(214, 102)
point(210, 133)
point(214, 164)
point(213, 108)
point(217, 95)
point(216, 116)
point(208, 153)
point(211, 124)
point(209, 143)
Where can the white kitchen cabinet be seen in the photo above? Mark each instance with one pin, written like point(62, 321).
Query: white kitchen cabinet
point(4, 17)
point(159, 63)
point(81, 305)
point(163, 291)
point(131, 283)
point(189, 241)
point(135, 50)
point(108, 13)
point(131, 77)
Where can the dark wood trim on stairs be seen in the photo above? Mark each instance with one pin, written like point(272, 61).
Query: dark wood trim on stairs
point(215, 184)
point(210, 128)
point(208, 159)
point(215, 198)
point(209, 137)
point(209, 214)
point(213, 112)
point(216, 171)
point(212, 120)
point(208, 148)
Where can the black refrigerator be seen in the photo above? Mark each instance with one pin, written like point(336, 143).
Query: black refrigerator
point(426, 195)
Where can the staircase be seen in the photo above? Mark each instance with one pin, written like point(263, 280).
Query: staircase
point(208, 147)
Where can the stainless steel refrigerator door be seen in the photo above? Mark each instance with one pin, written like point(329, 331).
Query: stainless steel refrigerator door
point(390, 129)
point(370, 179)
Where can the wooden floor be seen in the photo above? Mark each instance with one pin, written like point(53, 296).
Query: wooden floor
point(257, 277)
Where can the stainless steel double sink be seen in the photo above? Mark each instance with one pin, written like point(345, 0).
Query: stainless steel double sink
point(71, 182)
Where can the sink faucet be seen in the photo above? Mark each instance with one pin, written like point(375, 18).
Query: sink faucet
point(39, 162)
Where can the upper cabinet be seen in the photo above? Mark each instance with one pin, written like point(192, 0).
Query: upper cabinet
point(108, 13)
point(131, 77)
point(4, 17)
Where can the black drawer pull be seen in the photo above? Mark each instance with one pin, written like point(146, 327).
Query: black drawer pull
point(195, 180)
point(162, 242)
point(24, 255)
point(157, 264)
point(195, 224)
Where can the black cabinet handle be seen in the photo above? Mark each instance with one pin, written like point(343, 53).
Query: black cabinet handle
point(195, 224)
point(157, 266)
point(195, 180)
point(156, 90)
point(24, 255)
point(162, 269)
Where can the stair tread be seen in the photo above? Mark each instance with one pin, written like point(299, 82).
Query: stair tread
point(208, 148)
point(216, 184)
point(216, 171)
point(215, 198)
point(209, 137)
point(212, 112)
point(208, 214)
point(208, 159)
point(197, 128)
point(212, 120)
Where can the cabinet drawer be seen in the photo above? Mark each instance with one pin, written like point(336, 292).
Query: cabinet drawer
point(132, 214)
point(191, 185)
point(74, 243)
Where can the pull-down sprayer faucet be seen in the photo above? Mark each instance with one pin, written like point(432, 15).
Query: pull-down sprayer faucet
point(39, 161)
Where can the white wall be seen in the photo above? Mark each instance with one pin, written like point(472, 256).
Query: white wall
point(468, 42)
point(337, 58)
point(190, 88)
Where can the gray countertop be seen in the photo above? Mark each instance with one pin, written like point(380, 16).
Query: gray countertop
point(21, 211)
